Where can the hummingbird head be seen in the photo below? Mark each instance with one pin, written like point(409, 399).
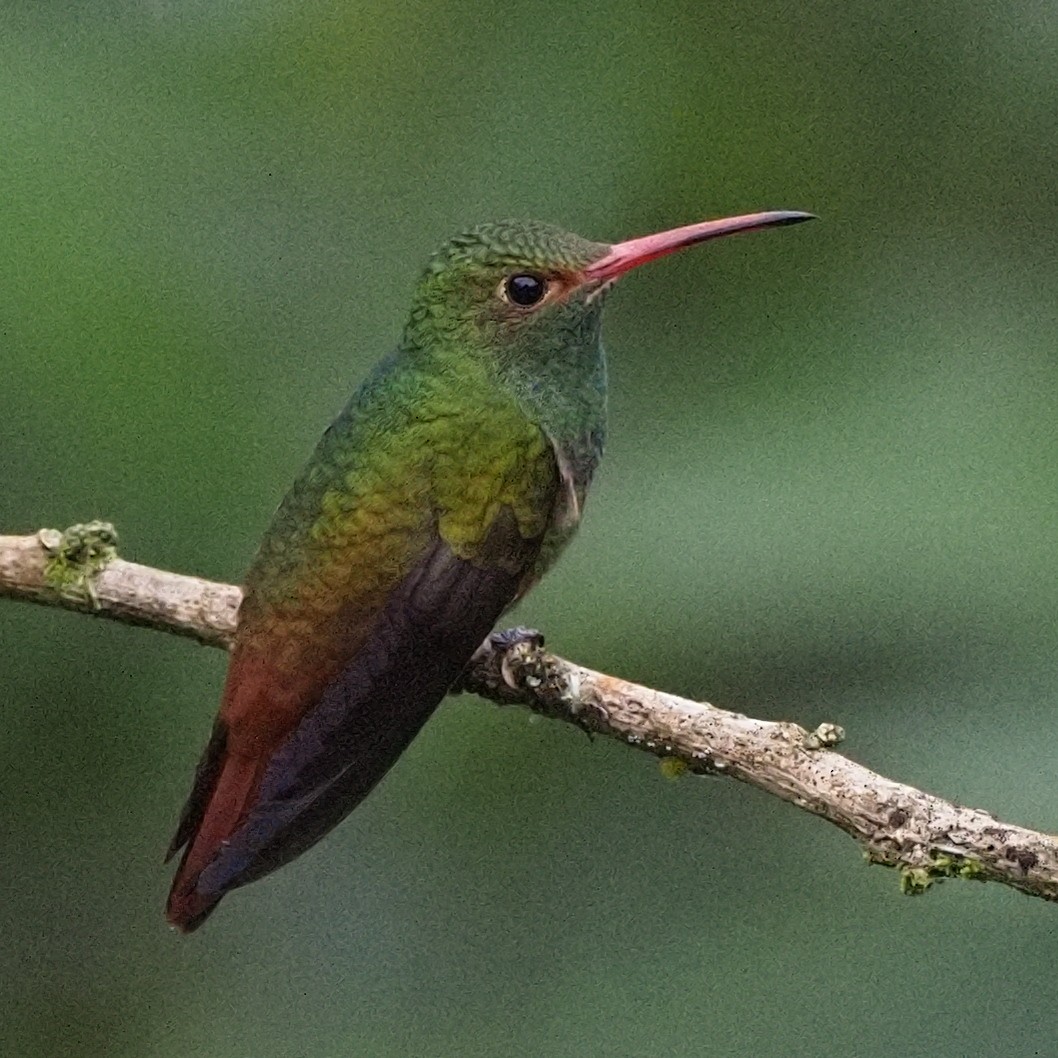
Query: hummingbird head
point(504, 286)
point(521, 289)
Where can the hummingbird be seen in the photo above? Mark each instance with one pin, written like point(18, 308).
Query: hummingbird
point(446, 487)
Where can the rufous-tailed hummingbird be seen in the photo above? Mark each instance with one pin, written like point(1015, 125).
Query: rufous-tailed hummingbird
point(439, 496)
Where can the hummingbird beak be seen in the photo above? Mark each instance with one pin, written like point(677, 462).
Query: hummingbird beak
point(623, 256)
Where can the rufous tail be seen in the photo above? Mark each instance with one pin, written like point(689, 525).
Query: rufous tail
point(189, 905)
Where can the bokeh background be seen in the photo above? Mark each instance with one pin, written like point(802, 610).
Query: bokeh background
point(829, 495)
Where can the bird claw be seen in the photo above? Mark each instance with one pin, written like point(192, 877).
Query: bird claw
point(504, 644)
point(497, 648)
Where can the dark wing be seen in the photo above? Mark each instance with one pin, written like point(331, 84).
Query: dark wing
point(423, 638)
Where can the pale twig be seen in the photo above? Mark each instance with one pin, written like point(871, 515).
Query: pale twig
point(926, 837)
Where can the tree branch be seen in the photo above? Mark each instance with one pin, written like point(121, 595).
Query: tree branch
point(927, 838)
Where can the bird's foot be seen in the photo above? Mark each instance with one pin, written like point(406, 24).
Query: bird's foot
point(504, 643)
point(496, 651)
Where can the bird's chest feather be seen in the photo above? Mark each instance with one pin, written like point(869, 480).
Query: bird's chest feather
point(484, 462)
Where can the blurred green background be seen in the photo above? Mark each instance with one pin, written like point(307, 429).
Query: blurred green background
point(829, 495)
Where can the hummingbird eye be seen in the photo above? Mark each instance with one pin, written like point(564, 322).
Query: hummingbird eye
point(525, 289)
